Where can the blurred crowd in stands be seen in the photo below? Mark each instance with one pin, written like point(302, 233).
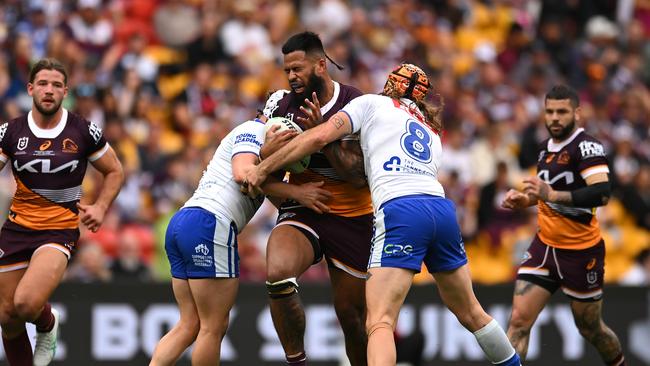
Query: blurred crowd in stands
point(167, 79)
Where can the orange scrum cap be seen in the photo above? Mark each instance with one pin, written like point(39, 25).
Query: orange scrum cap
point(409, 81)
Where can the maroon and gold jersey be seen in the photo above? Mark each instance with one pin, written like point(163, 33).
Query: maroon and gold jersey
point(347, 200)
point(49, 167)
point(565, 166)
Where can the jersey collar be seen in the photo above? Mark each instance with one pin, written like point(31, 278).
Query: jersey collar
point(327, 107)
point(49, 133)
point(557, 146)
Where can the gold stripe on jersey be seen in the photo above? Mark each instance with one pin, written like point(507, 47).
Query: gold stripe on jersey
point(35, 212)
point(559, 231)
point(346, 201)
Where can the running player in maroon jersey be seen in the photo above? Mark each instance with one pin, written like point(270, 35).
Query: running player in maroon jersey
point(48, 150)
point(568, 251)
point(302, 237)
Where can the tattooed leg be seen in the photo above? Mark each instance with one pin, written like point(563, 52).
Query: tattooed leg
point(528, 301)
point(588, 319)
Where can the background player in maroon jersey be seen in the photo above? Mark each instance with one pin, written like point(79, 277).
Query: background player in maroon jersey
point(568, 251)
point(48, 150)
point(302, 237)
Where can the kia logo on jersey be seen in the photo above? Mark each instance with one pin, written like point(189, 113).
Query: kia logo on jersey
point(45, 165)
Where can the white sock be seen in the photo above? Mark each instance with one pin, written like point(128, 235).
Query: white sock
point(494, 342)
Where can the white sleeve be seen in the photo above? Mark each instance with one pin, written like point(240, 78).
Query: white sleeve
point(248, 138)
point(273, 102)
point(359, 110)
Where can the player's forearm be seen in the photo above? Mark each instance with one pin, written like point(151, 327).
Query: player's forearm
point(268, 150)
point(278, 189)
point(302, 145)
point(593, 195)
point(561, 197)
point(113, 181)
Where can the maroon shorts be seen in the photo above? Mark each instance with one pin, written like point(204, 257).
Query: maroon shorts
point(17, 244)
point(578, 272)
point(343, 241)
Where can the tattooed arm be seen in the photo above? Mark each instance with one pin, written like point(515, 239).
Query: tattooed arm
point(344, 155)
point(306, 143)
point(347, 159)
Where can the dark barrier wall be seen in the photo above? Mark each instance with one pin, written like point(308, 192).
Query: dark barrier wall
point(120, 325)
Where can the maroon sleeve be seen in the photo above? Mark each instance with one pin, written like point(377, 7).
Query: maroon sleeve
point(591, 154)
point(95, 137)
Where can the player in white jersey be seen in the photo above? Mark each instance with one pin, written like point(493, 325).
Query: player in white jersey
point(414, 222)
point(201, 245)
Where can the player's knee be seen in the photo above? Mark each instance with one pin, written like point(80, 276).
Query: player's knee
point(383, 323)
point(7, 313)
point(351, 316)
point(589, 330)
point(282, 288)
point(27, 309)
point(520, 320)
point(472, 318)
point(277, 272)
point(224, 326)
point(590, 333)
point(190, 327)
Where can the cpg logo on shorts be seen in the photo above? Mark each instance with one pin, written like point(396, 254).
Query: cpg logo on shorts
point(398, 250)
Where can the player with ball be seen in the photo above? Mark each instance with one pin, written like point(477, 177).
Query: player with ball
point(303, 237)
point(414, 222)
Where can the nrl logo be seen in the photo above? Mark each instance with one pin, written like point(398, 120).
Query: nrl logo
point(22, 143)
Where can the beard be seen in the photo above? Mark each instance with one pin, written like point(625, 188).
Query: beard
point(564, 132)
point(47, 111)
point(316, 84)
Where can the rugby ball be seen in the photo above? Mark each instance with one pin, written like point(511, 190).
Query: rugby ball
point(286, 124)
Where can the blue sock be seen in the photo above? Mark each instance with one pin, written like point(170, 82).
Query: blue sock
point(512, 361)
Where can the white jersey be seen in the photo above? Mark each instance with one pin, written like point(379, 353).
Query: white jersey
point(401, 153)
point(217, 191)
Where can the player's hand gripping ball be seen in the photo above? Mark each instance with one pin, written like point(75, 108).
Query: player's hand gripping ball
point(286, 124)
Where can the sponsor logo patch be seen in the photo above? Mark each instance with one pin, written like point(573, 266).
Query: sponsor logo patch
point(592, 277)
point(286, 215)
point(22, 143)
point(45, 145)
point(398, 250)
point(591, 264)
point(590, 149)
point(69, 146)
point(202, 248)
point(3, 130)
point(95, 132)
point(550, 158)
point(201, 258)
point(564, 158)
